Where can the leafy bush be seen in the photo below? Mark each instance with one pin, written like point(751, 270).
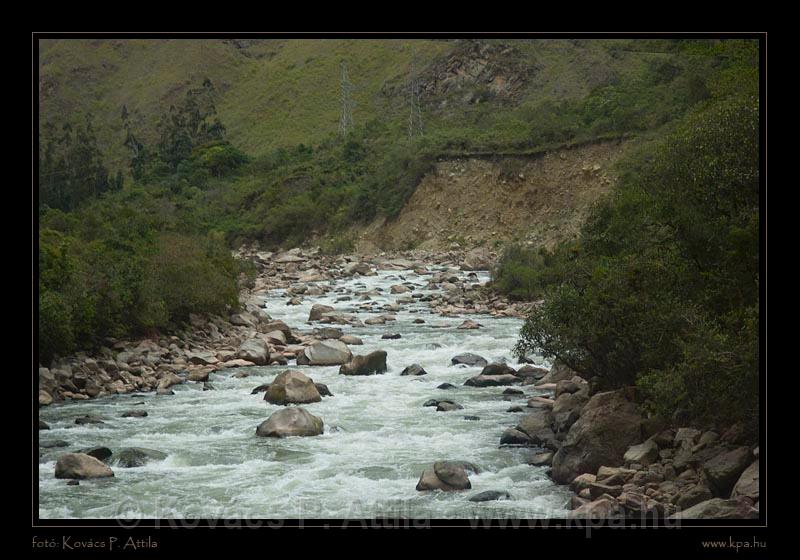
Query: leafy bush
point(664, 291)
point(338, 244)
point(524, 274)
point(55, 326)
point(398, 174)
point(218, 158)
point(185, 276)
point(716, 376)
point(112, 271)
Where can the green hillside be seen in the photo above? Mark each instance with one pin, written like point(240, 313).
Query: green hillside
point(232, 141)
point(272, 92)
point(276, 93)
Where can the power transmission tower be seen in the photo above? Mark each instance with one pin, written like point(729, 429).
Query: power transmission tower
point(415, 112)
point(346, 118)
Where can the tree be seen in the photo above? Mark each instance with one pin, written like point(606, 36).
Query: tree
point(71, 168)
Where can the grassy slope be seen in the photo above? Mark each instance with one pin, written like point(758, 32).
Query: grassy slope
point(284, 92)
point(273, 93)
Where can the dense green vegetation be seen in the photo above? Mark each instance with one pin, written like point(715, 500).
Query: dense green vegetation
point(113, 263)
point(188, 147)
point(662, 288)
point(116, 270)
point(71, 168)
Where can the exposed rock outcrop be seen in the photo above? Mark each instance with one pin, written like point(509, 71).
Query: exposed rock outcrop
point(609, 424)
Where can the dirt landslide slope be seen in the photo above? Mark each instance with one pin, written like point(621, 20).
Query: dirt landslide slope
point(539, 200)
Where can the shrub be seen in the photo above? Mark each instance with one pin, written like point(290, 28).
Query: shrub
point(524, 273)
point(218, 158)
point(186, 276)
point(55, 326)
point(338, 244)
point(716, 376)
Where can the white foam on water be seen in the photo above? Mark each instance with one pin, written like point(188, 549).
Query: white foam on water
point(378, 437)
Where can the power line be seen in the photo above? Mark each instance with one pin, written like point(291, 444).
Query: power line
point(415, 112)
point(346, 97)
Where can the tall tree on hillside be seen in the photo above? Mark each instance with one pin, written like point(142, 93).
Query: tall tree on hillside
point(139, 154)
point(192, 123)
point(71, 168)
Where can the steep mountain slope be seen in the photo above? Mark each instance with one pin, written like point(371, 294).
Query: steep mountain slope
point(279, 100)
point(282, 92)
point(540, 200)
point(271, 92)
point(482, 166)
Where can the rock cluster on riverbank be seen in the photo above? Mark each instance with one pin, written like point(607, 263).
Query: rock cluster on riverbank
point(622, 463)
point(250, 337)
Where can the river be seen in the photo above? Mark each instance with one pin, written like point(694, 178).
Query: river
point(378, 437)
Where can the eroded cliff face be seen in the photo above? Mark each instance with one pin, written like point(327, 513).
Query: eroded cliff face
point(538, 200)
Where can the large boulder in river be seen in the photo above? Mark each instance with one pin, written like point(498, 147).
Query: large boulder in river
point(318, 310)
point(469, 360)
point(498, 368)
point(323, 390)
point(254, 350)
point(490, 495)
point(325, 353)
point(89, 419)
point(448, 476)
point(99, 452)
point(448, 406)
point(289, 422)
point(557, 373)
point(277, 338)
point(351, 340)
point(537, 426)
point(512, 436)
point(414, 369)
point(80, 466)
point(491, 380)
point(529, 371)
point(374, 362)
point(136, 457)
point(328, 332)
point(533, 429)
point(292, 387)
point(278, 325)
point(609, 424)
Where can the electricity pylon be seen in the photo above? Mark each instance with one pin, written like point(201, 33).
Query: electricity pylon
point(346, 118)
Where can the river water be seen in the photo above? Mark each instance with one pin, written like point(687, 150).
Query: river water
point(378, 437)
